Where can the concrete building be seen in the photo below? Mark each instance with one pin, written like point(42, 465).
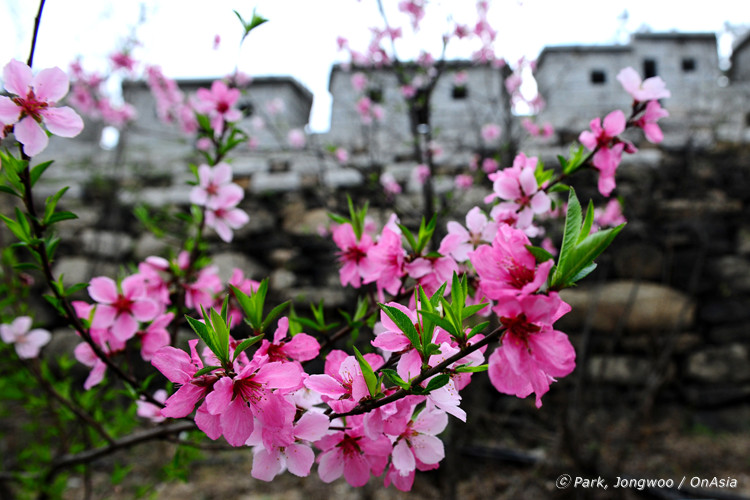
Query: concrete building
point(580, 82)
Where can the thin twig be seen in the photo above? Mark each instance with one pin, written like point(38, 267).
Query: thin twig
point(37, 21)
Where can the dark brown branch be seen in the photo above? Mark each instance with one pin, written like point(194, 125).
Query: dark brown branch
point(84, 457)
point(371, 404)
point(37, 21)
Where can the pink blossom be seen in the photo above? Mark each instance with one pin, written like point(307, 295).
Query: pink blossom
point(121, 310)
point(252, 395)
point(352, 253)
point(421, 173)
point(464, 181)
point(150, 410)
point(648, 120)
point(32, 103)
point(431, 272)
point(647, 90)
point(203, 291)
point(611, 215)
point(217, 41)
point(298, 457)
point(518, 185)
point(489, 165)
point(225, 218)
point(359, 81)
point(26, 341)
point(459, 241)
point(180, 368)
point(122, 60)
point(215, 187)
point(387, 259)
point(342, 385)
point(532, 353)
point(296, 138)
point(513, 82)
point(390, 186)
point(275, 106)
point(155, 336)
point(415, 9)
point(342, 155)
point(491, 132)
point(460, 78)
point(301, 347)
point(507, 268)
point(352, 454)
point(603, 139)
point(218, 104)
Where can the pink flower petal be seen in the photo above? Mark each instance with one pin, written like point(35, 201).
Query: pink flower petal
point(402, 458)
point(17, 77)
point(33, 137)
point(63, 122)
point(9, 111)
point(50, 85)
point(103, 290)
point(299, 459)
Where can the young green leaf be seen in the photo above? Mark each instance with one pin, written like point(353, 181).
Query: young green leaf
point(369, 374)
point(245, 344)
point(404, 323)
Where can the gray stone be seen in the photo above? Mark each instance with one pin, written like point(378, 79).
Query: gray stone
point(305, 296)
point(617, 369)
point(648, 307)
point(733, 273)
point(110, 244)
point(342, 177)
point(729, 363)
point(148, 244)
point(282, 279)
point(264, 182)
point(226, 262)
point(639, 261)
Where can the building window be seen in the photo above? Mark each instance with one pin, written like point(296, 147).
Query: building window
point(246, 108)
point(459, 92)
point(649, 68)
point(598, 77)
point(375, 94)
point(688, 64)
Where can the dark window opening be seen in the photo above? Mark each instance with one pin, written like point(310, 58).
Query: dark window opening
point(747, 120)
point(375, 94)
point(688, 64)
point(598, 77)
point(460, 92)
point(649, 68)
point(246, 108)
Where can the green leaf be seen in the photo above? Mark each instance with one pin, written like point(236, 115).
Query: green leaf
point(585, 252)
point(394, 378)
point(577, 158)
point(404, 323)
point(477, 328)
point(245, 344)
point(369, 374)
point(471, 369)
point(221, 332)
point(409, 237)
point(59, 217)
point(205, 370)
point(437, 382)
point(9, 190)
point(201, 329)
point(38, 170)
point(558, 188)
point(441, 322)
point(275, 312)
point(539, 253)
point(570, 235)
point(588, 221)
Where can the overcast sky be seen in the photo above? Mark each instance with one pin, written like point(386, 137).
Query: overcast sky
point(300, 39)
